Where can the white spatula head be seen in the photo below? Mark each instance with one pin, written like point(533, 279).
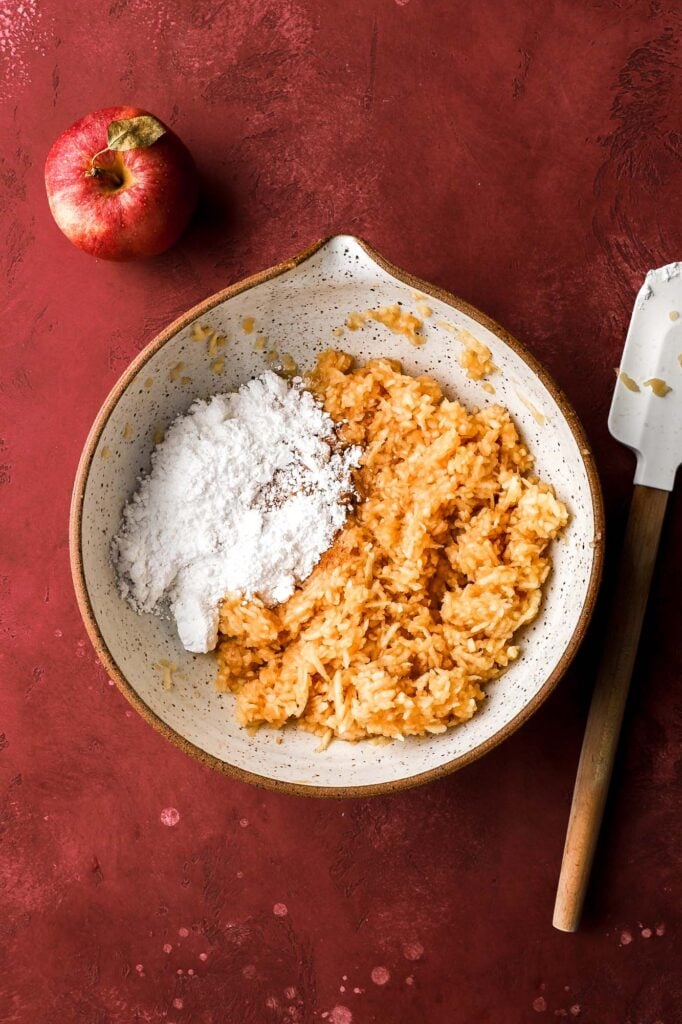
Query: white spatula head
point(646, 411)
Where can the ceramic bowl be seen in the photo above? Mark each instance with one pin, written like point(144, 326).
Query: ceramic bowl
point(298, 305)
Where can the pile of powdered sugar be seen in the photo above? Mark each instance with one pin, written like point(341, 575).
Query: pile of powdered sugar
point(245, 494)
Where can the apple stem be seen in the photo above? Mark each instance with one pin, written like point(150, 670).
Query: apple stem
point(94, 171)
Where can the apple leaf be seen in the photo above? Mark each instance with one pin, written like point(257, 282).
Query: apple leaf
point(134, 132)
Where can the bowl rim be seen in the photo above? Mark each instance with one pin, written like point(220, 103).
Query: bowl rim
point(76, 519)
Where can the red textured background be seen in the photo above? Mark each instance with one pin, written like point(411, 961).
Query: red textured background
point(525, 156)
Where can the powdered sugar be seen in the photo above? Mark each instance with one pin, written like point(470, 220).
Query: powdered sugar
point(246, 492)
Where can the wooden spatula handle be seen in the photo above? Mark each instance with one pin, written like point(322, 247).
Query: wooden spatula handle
point(608, 701)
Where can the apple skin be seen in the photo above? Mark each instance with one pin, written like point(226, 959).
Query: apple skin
point(139, 204)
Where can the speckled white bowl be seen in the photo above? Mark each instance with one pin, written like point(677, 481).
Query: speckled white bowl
point(297, 305)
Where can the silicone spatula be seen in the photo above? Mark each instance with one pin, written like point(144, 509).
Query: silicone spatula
point(646, 415)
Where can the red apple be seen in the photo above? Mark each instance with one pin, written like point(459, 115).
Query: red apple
point(120, 204)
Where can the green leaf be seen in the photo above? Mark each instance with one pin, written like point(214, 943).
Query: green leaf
point(134, 132)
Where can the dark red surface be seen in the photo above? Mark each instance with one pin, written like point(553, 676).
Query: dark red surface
point(524, 155)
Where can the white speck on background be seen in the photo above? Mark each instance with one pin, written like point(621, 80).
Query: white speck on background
point(340, 1015)
point(169, 816)
point(19, 36)
point(380, 975)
